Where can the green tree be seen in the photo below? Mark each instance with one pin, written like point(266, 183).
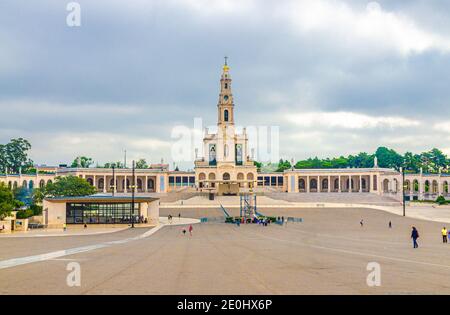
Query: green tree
point(433, 160)
point(283, 165)
point(362, 160)
point(7, 201)
point(82, 161)
point(412, 162)
point(258, 165)
point(64, 186)
point(14, 156)
point(113, 164)
point(141, 164)
point(340, 162)
point(389, 158)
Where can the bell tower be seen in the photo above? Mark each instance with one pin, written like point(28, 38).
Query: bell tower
point(225, 107)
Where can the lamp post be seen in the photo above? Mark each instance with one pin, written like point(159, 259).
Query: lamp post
point(113, 186)
point(132, 199)
point(403, 191)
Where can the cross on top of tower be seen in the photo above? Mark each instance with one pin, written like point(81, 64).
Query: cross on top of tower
point(225, 66)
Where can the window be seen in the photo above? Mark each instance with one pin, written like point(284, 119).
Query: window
point(301, 184)
point(280, 180)
point(101, 213)
point(226, 85)
point(225, 115)
point(273, 181)
point(260, 180)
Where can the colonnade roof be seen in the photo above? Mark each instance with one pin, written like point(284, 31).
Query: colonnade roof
point(110, 170)
point(343, 170)
point(101, 198)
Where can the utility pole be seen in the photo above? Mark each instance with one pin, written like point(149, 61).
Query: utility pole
point(132, 198)
point(114, 180)
point(403, 191)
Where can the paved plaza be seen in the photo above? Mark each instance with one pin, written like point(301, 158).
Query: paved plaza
point(326, 254)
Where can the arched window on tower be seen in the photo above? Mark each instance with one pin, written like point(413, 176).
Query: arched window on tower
point(226, 85)
point(225, 114)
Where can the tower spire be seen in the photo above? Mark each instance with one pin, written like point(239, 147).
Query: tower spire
point(225, 105)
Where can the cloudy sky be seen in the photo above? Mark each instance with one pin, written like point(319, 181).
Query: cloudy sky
point(337, 76)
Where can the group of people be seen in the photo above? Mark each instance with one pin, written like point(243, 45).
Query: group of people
point(183, 230)
point(190, 230)
point(415, 233)
point(170, 218)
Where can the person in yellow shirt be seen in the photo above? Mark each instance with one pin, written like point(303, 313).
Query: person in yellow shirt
point(444, 235)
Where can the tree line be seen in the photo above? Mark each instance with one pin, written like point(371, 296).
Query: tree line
point(86, 162)
point(14, 159)
point(431, 161)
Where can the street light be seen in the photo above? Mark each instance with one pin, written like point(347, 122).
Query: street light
point(113, 186)
point(403, 191)
point(132, 199)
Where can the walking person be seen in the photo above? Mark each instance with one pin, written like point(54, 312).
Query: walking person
point(415, 236)
point(361, 222)
point(179, 216)
point(444, 235)
point(390, 224)
point(190, 229)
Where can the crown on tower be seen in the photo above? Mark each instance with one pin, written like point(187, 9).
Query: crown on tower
point(225, 65)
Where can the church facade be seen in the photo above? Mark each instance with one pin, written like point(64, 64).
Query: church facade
point(225, 167)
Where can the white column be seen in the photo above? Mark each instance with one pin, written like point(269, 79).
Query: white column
point(319, 184)
point(125, 190)
point(157, 183)
point(350, 184)
point(329, 183)
point(307, 184)
point(360, 183)
point(146, 184)
point(104, 183)
point(339, 184)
